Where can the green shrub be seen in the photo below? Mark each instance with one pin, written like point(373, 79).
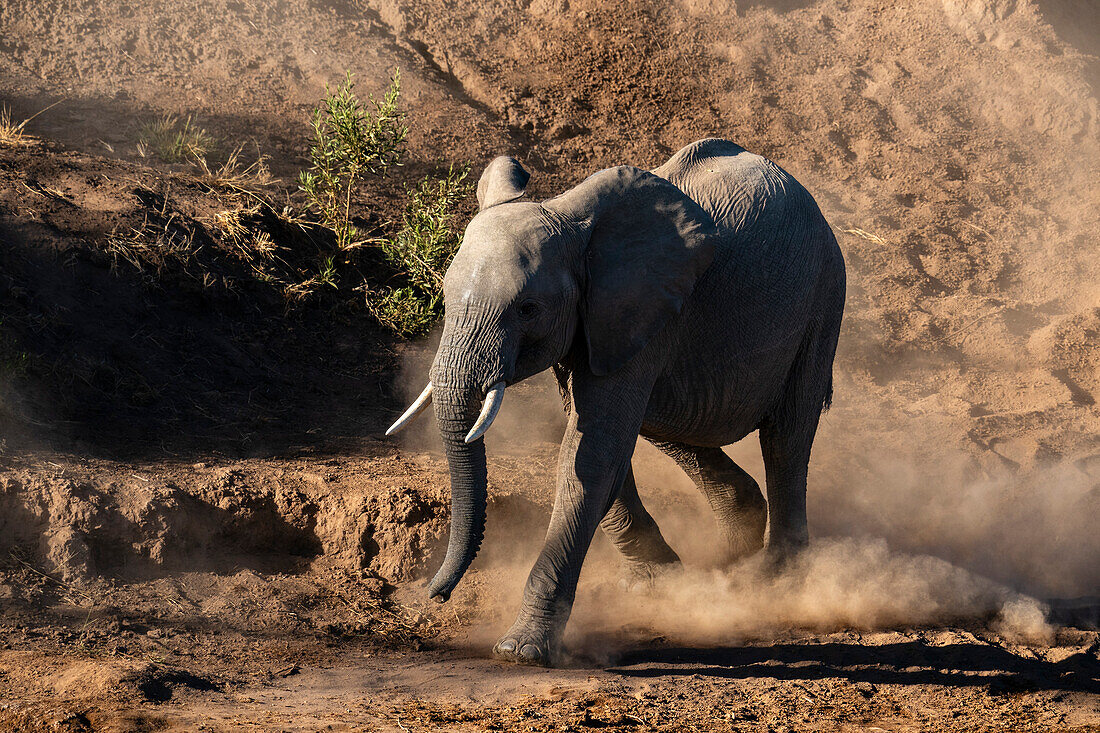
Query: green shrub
point(348, 143)
point(310, 251)
point(421, 251)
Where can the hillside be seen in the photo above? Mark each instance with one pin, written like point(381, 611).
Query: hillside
point(184, 412)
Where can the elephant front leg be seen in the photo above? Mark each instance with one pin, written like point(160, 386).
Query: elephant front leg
point(594, 461)
point(585, 491)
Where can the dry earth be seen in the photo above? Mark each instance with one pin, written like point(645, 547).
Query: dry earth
point(201, 527)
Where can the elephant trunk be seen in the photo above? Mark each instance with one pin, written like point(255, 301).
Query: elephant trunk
point(468, 376)
point(456, 410)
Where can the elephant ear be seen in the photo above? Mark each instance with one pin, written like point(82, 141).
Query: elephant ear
point(504, 180)
point(647, 246)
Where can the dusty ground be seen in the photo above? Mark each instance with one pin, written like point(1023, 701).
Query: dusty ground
point(250, 594)
point(201, 527)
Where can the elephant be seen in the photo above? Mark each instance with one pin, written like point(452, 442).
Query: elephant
point(690, 305)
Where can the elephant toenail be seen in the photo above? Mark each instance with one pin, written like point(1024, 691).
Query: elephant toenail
point(507, 645)
point(530, 652)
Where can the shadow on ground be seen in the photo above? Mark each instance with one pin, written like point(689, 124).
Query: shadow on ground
point(906, 663)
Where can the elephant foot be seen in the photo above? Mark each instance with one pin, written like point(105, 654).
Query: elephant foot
point(779, 555)
point(736, 548)
point(637, 576)
point(530, 645)
point(744, 536)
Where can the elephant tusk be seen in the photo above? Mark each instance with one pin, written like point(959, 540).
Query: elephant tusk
point(489, 412)
point(415, 409)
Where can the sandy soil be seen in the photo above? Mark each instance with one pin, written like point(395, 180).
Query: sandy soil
point(201, 527)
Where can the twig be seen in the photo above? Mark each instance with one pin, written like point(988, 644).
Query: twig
point(866, 235)
point(978, 228)
point(43, 110)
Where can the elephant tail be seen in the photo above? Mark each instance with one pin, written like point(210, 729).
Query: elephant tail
point(831, 296)
point(828, 401)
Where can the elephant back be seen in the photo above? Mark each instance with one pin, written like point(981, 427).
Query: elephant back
point(774, 247)
point(745, 193)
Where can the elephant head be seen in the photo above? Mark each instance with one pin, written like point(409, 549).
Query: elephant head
point(613, 259)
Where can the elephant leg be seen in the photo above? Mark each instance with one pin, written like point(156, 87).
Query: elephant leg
point(786, 451)
point(631, 529)
point(731, 492)
point(593, 465)
point(787, 436)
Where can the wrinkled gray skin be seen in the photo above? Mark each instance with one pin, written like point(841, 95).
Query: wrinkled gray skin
point(690, 305)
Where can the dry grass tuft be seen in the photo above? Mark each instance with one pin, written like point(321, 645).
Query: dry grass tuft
point(270, 262)
point(233, 174)
point(231, 223)
point(11, 132)
point(151, 248)
point(253, 246)
point(174, 140)
point(14, 134)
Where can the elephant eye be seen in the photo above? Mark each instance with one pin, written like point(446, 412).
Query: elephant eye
point(528, 309)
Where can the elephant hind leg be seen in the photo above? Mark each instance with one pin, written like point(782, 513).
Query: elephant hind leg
point(631, 529)
point(732, 494)
point(787, 435)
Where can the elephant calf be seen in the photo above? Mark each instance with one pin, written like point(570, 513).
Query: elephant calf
point(691, 305)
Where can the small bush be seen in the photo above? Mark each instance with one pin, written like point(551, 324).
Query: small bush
point(421, 251)
point(174, 140)
point(310, 252)
point(348, 143)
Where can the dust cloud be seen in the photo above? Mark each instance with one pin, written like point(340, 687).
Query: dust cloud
point(839, 583)
point(1034, 531)
point(904, 532)
point(895, 544)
